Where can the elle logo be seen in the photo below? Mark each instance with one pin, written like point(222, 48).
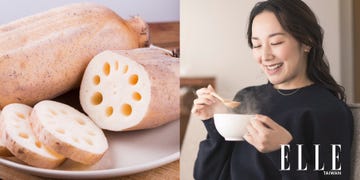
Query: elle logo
point(335, 164)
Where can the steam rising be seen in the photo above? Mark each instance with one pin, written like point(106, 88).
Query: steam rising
point(250, 102)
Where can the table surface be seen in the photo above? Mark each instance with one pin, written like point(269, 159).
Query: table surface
point(168, 171)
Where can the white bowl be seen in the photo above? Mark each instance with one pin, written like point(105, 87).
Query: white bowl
point(232, 126)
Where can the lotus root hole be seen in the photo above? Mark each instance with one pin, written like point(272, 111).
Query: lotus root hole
point(63, 111)
point(125, 69)
point(53, 112)
point(97, 98)
point(106, 69)
point(96, 79)
point(116, 65)
point(109, 111)
point(136, 96)
point(126, 109)
point(88, 141)
point(75, 139)
point(91, 133)
point(20, 115)
point(133, 79)
point(24, 135)
point(60, 130)
point(80, 121)
point(38, 144)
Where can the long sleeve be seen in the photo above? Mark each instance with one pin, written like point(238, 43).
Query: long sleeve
point(325, 138)
point(321, 126)
point(291, 162)
point(302, 131)
point(214, 155)
point(334, 132)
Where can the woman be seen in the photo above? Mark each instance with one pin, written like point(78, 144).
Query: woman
point(301, 110)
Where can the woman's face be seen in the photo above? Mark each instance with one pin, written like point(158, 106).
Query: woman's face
point(279, 55)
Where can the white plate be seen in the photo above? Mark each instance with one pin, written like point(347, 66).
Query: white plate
point(129, 152)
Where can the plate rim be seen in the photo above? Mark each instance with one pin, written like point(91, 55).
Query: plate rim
point(102, 173)
point(96, 173)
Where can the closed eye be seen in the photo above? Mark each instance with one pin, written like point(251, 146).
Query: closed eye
point(256, 46)
point(276, 43)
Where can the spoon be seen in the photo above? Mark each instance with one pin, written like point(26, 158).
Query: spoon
point(226, 102)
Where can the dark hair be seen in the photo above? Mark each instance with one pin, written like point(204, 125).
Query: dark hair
point(297, 19)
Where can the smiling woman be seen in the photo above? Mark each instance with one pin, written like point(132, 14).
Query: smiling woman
point(309, 45)
point(301, 107)
point(279, 54)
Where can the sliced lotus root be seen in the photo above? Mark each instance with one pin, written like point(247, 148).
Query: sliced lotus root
point(131, 89)
point(20, 140)
point(3, 150)
point(68, 132)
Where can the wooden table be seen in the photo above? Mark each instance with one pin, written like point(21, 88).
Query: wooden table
point(168, 171)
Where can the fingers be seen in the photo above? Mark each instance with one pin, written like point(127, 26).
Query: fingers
point(249, 138)
point(205, 99)
point(251, 129)
point(258, 125)
point(266, 135)
point(203, 91)
point(256, 131)
point(197, 107)
point(204, 103)
point(210, 88)
point(267, 121)
point(206, 90)
point(252, 135)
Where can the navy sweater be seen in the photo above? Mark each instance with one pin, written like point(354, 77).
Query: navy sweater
point(312, 115)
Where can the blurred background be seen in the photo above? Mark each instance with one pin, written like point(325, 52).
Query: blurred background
point(214, 50)
point(159, 10)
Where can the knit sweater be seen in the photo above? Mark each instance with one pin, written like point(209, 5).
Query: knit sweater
point(318, 121)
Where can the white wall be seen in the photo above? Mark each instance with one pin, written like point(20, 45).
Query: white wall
point(213, 43)
point(336, 20)
point(347, 49)
point(149, 10)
